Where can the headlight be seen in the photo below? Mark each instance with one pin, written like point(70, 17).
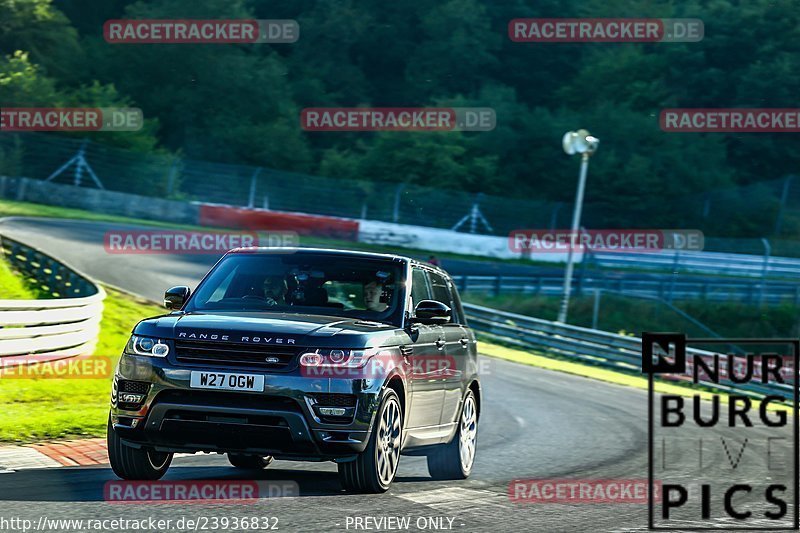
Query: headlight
point(146, 346)
point(337, 358)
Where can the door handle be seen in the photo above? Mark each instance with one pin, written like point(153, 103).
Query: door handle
point(464, 342)
point(440, 344)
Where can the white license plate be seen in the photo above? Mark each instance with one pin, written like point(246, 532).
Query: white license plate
point(224, 381)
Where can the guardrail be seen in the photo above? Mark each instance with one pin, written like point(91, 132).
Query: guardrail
point(771, 293)
point(66, 325)
point(713, 263)
point(591, 346)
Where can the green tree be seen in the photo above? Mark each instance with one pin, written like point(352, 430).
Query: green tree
point(36, 27)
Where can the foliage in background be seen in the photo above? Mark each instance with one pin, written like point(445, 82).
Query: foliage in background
point(632, 315)
point(241, 103)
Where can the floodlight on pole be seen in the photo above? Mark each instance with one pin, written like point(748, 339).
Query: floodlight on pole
point(576, 142)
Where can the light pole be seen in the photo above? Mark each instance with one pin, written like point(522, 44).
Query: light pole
point(576, 142)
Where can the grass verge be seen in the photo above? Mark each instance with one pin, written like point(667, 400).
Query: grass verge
point(12, 285)
point(630, 314)
point(42, 408)
point(531, 358)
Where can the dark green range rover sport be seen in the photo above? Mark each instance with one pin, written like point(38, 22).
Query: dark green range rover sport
point(302, 354)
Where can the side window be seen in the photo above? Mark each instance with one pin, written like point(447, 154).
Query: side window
point(419, 287)
point(458, 310)
point(441, 293)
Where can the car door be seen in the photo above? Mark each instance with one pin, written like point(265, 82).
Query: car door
point(427, 393)
point(457, 345)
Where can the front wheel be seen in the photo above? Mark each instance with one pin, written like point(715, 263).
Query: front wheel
point(374, 469)
point(134, 463)
point(455, 460)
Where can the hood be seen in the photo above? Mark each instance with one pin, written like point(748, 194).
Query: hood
point(266, 328)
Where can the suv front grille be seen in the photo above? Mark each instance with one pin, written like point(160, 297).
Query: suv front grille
point(235, 355)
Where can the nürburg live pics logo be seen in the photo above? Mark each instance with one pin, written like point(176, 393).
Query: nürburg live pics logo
point(724, 451)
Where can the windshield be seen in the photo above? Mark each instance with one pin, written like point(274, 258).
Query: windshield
point(302, 283)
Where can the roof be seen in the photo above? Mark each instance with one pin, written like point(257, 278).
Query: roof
point(337, 251)
point(325, 251)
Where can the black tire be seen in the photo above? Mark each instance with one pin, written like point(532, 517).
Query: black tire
point(445, 461)
point(134, 463)
point(250, 462)
point(369, 472)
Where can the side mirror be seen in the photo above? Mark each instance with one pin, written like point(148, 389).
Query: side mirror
point(175, 297)
point(431, 312)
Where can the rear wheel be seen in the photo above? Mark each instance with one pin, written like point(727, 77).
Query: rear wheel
point(375, 468)
point(250, 462)
point(455, 460)
point(134, 463)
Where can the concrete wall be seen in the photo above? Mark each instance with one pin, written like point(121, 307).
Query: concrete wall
point(445, 240)
point(98, 200)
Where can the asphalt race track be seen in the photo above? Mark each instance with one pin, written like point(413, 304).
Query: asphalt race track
point(69, 240)
point(534, 424)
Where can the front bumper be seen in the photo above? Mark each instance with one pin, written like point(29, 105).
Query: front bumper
point(283, 421)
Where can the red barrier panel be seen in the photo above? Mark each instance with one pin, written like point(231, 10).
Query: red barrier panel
point(257, 220)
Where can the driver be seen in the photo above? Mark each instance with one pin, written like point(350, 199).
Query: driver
point(372, 297)
point(275, 289)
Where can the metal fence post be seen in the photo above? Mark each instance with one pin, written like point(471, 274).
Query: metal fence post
point(397, 193)
point(675, 264)
point(596, 308)
point(251, 202)
point(172, 177)
point(585, 258)
point(767, 251)
point(784, 196)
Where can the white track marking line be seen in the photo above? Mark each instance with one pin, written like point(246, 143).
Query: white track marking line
point(457, 499)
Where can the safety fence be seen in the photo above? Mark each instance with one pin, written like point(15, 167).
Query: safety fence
point(596, 347)
point(714, 263)
point(665, 287)
point(66, 324)
point(764, 208)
